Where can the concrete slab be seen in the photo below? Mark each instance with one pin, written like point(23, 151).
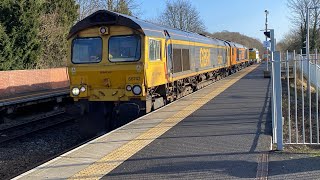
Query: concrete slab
point(203, 135)
point(223, 139)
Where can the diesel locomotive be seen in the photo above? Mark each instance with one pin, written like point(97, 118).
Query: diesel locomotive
point(121, 65)
point(254, 55)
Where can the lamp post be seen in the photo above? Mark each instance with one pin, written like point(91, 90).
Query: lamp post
point(267, 12)
point(307, 38)
point(308, 33)
point(308, 42)
point(308, 65)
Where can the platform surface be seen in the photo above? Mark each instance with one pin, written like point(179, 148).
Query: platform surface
point(219, 132)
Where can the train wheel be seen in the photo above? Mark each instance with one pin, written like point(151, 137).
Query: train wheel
point(93, 120)
point(225, 74)
point(125, 113)
point(86, 129)
point(2, 116)
point(109, 120)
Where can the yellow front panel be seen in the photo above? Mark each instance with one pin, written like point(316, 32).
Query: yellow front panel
point(252, 55)
point(107, 81)
point(111, 95)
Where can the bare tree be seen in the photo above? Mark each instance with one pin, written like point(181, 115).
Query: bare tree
point(129, 7)
point(53, 42)
point(87, 7)
point(290, 41)
point(299, 10)
point(182, 15)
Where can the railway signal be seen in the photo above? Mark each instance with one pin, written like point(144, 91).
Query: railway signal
point(267, 34)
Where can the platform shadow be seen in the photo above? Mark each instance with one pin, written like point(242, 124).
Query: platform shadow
point(291, 166)
point(238, 169)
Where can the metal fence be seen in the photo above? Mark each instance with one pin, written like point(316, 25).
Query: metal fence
point(295, 98)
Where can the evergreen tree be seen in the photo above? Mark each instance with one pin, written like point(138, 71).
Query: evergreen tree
point(20, 24)
point(67, 10)
point(6, 60)
point(33, 32)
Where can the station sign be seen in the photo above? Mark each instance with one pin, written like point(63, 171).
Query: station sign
point(266, 44)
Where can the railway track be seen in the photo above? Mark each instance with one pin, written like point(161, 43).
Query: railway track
point(37, 123)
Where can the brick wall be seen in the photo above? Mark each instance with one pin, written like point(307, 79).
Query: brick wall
point(25, 81)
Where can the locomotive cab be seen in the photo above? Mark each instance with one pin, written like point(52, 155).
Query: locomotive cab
point(106, 69)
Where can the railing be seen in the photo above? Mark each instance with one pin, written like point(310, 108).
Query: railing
point(298, 99)
point(302, 66)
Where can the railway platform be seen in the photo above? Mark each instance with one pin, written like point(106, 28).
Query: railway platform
point(222, 131)
point(33, 96)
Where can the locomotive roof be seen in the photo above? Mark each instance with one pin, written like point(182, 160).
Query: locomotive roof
point(234, 44)
point(104, 17)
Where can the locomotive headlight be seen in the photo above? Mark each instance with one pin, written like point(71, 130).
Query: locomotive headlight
point(128, 88)
point(75, 91)
point(82, 89)
point(136, 90)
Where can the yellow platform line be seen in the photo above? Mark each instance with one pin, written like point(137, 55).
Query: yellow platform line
point(112, 160)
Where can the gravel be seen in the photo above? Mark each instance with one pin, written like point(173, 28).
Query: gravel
point(23, 154)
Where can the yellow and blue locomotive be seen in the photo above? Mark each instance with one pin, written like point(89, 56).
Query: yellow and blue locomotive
point(118, 62)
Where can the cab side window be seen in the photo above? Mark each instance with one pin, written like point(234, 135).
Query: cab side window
point(154, 50)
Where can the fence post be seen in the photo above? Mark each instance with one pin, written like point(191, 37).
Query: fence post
point(278, 99)
point(273, 99)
